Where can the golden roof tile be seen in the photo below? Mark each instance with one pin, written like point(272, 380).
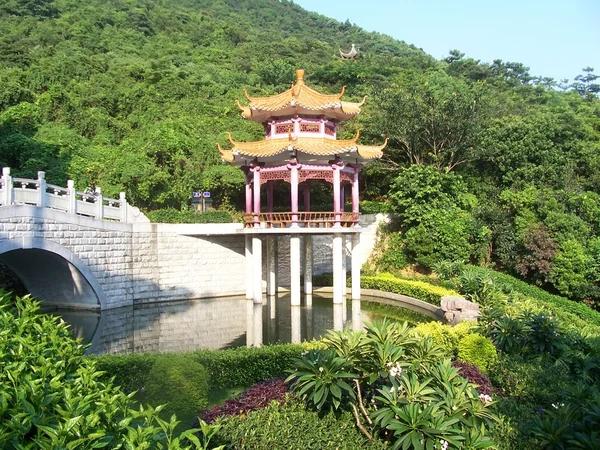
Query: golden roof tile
point(317, 146)
point(298, 96)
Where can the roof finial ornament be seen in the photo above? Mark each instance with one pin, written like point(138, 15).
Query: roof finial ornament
point(352, 54)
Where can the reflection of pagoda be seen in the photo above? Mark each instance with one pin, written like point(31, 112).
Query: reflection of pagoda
point(300, 146)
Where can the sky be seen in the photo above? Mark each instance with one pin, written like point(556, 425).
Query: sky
point(553, 38)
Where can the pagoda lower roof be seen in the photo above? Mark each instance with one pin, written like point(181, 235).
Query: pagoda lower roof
point(316, 148)
point(301, 100)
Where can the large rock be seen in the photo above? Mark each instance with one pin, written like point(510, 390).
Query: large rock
point(458, 309)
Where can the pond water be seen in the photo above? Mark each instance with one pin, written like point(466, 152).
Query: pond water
point(217, 323)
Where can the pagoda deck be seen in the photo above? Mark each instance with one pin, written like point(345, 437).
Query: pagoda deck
point(312, 219)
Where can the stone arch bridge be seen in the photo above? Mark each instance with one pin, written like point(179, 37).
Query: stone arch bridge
point(76, 249)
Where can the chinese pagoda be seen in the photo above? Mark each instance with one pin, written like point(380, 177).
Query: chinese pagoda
point(300, 145)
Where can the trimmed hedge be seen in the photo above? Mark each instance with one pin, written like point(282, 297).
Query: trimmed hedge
point(557, 303)
point(171, 215)
point(245, 366)
point(181, 384)
point(418, 289)
point(226, 368)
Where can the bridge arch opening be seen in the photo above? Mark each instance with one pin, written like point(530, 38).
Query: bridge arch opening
point(52, 274)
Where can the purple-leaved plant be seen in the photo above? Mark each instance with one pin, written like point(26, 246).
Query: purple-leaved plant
point(256, 397)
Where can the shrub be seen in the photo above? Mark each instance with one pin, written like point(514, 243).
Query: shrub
point(418, 289)
point(246, 366)
point(53, 397)
point(130, 371)
point(292, 426)
point(477, 350)
point(179, 382)
point(171, 215)
point(371, 207)
point(391, 256)
point(441, 334)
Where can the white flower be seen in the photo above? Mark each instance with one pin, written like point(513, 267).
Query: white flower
point(557, 405)
point(390, 364)
point(304, 353)
point(485, 398)
point(392, 390)
point(321, 369)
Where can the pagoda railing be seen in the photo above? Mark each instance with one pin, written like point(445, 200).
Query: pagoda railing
point(312, 219)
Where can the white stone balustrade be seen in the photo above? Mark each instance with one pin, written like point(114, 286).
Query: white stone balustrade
point(25, 191)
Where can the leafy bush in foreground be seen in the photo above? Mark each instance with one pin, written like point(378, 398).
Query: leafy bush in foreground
point(52, 397)
point(397, 386)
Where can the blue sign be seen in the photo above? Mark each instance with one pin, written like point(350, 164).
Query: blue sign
point(196, 194)
point(206, 194)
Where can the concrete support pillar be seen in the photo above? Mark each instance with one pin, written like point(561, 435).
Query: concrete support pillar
point(296, 324)
point(257, 325)
point(355, 258)
point(257, 269)
point(338, 316)
point(249, 267)
point(295, 269)
point(342, 197)
point(337, 269)
point(356, 316)
point(272, 265)
point(308, 265)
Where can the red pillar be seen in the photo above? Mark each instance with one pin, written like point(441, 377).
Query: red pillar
point(256, 172)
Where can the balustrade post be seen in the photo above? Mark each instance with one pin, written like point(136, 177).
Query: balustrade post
point(72, 197)
point(123, 206)
point(8, 194)
point(99, 204)
point(41, 186)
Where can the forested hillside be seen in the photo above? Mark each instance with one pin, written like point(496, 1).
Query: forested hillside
point(486, 163)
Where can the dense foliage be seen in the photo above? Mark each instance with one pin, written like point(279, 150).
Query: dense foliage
point(52, 397)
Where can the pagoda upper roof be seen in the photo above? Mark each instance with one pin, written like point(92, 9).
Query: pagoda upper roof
point(300, 100)
point(315, 148)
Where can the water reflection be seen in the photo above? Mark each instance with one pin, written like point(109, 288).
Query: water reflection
point(209, 323)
